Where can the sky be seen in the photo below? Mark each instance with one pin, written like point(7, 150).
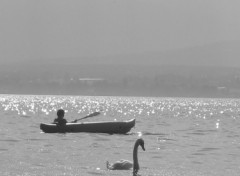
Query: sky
point(40, 29)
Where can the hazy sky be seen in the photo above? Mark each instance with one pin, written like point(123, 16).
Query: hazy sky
point(36, 29)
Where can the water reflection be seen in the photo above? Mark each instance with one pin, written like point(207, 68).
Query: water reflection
point(180, 133)
point(28, 105)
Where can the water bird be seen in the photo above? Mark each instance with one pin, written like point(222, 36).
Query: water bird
point(125, 164)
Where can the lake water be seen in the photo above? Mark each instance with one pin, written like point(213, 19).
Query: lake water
point(183, 136)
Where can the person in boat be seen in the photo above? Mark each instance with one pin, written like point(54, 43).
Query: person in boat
point(60, 118)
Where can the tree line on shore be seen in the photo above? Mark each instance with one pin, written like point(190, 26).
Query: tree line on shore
point(124, 81)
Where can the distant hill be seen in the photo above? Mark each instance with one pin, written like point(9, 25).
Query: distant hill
point(203, 71)
point(225, 54)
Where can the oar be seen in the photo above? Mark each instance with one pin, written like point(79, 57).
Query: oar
point(90, 115)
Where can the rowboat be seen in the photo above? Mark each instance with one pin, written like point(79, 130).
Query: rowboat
point(111, 127)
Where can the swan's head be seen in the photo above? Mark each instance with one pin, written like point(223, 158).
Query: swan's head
point(141, 143)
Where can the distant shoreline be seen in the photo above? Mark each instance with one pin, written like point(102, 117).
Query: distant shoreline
point(235, 96)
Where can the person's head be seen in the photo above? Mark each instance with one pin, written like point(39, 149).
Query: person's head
point(60, 113)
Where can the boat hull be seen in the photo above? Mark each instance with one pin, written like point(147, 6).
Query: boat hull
point(111, 127)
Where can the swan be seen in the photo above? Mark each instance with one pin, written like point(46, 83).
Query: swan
point(125, 164)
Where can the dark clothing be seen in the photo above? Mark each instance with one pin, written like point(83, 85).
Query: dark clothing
point(60, 121)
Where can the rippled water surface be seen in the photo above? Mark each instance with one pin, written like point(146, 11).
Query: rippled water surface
point(192, 137)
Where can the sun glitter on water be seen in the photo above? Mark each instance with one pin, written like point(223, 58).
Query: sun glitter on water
point(139, 134)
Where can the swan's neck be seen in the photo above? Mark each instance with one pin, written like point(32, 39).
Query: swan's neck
point(135, 158)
